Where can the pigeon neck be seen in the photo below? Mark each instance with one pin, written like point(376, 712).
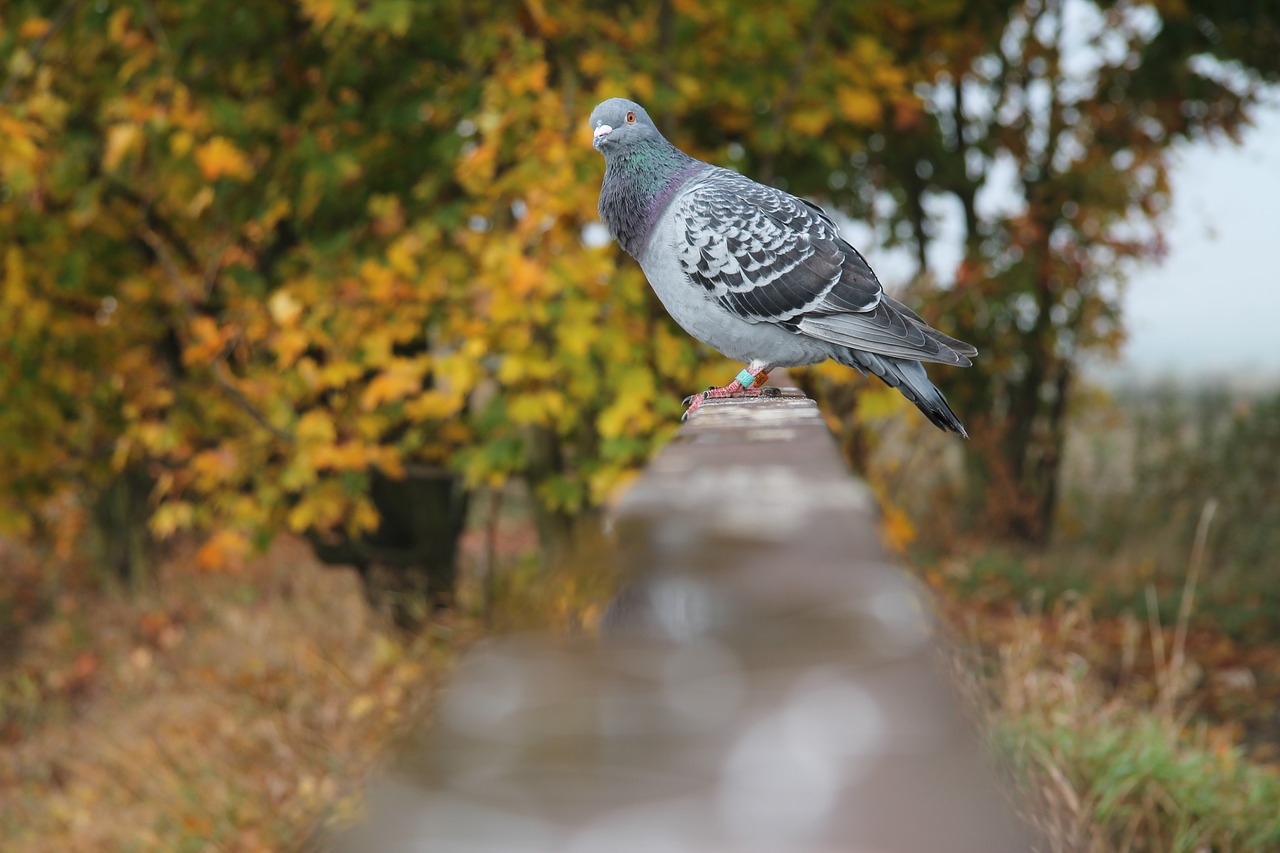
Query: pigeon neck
point(638, 186)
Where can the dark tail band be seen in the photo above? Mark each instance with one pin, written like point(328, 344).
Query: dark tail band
point(909, 378)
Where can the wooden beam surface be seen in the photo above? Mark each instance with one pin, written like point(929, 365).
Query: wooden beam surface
point(764, 680)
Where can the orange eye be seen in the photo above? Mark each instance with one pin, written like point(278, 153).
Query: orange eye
point(631, 118)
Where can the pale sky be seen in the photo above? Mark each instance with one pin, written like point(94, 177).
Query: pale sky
point(1212, 308)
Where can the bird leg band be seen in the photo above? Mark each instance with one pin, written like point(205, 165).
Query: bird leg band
point(749, 380)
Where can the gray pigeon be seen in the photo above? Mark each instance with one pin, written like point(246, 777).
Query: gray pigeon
point(755, 273)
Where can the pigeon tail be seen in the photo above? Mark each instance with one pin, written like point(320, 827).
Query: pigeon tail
point(907, 376)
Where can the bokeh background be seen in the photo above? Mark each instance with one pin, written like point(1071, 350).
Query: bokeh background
point(314, 362)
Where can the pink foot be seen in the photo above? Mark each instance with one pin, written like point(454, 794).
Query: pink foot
point(736, 388)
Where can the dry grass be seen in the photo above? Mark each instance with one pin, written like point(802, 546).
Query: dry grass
point(1128, 675)
point(209, 712)
point(1096, 724)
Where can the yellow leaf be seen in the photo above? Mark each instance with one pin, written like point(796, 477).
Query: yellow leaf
point(811, 122)
point(301, 517)
point(320, 11)
point(380, 280)
point(300, 473)
point(524, 277)
point(317, 426)
point(632, 411)
point(284, 308)
point(348, 456)
point(532, 79)
point(214, 466)
point(207, 341)
point(170, 517)
point(338, 374)
point(121, 139)
point(402, 377)
point(858, 106)
point(402, 256)
point(15, 277)
point(219, 157)
point(529, 409)
point(290, 344)
point(433, 405)
point(364, 518)
point(181, 143)
point(377, 347)
point(475, 169)
point(118, 24)
point(592, 62)
point(877, 401)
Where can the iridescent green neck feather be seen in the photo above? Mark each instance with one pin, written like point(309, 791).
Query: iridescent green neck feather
point(639, 181)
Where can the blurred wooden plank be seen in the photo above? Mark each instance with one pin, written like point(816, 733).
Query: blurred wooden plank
point(763, 682)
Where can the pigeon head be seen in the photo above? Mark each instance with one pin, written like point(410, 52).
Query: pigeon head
point(642, 171)
point(619, 125)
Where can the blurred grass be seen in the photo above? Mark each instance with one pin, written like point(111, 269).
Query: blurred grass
point(1142, 465)
point(1138, 490)
point(1127, 677)
point(1099, 765)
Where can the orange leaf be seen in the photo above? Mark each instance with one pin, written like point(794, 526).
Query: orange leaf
point(223, 551)
point(34, 28)
point(219, 157)
point(402, 377)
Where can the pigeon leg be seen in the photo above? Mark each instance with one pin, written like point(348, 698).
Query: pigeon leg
point(747, 384)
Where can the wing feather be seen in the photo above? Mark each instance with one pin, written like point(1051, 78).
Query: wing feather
point(767, 255)
point(770, 257)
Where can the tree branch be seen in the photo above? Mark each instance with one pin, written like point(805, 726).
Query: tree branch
point(158, 225)
point(223, 377)
point(817, 25)
point(218, 368)
point(968, 185)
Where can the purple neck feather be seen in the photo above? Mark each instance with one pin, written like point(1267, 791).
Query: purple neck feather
point(638, 186)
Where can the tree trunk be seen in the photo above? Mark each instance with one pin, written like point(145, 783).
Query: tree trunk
point(120, 511)
point(1013, 463)
point(413, 553)
point(556, 527)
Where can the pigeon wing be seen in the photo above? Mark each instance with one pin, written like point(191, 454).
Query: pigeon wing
point(766, 255)
point(770, 257)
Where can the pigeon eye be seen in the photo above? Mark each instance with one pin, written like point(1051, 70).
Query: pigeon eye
point(631, 118)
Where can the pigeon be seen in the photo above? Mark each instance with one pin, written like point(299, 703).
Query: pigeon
point(757, 274)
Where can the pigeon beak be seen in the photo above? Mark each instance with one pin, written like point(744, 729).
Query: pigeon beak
point(597, 137)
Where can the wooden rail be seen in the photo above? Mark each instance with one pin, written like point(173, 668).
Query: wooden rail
point(763, 682)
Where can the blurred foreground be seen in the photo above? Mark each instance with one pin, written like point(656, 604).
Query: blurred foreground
point(1126, 678)
point(763, 681)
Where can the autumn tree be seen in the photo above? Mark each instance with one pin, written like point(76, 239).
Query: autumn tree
point(1050, 129)
point(329, 268)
